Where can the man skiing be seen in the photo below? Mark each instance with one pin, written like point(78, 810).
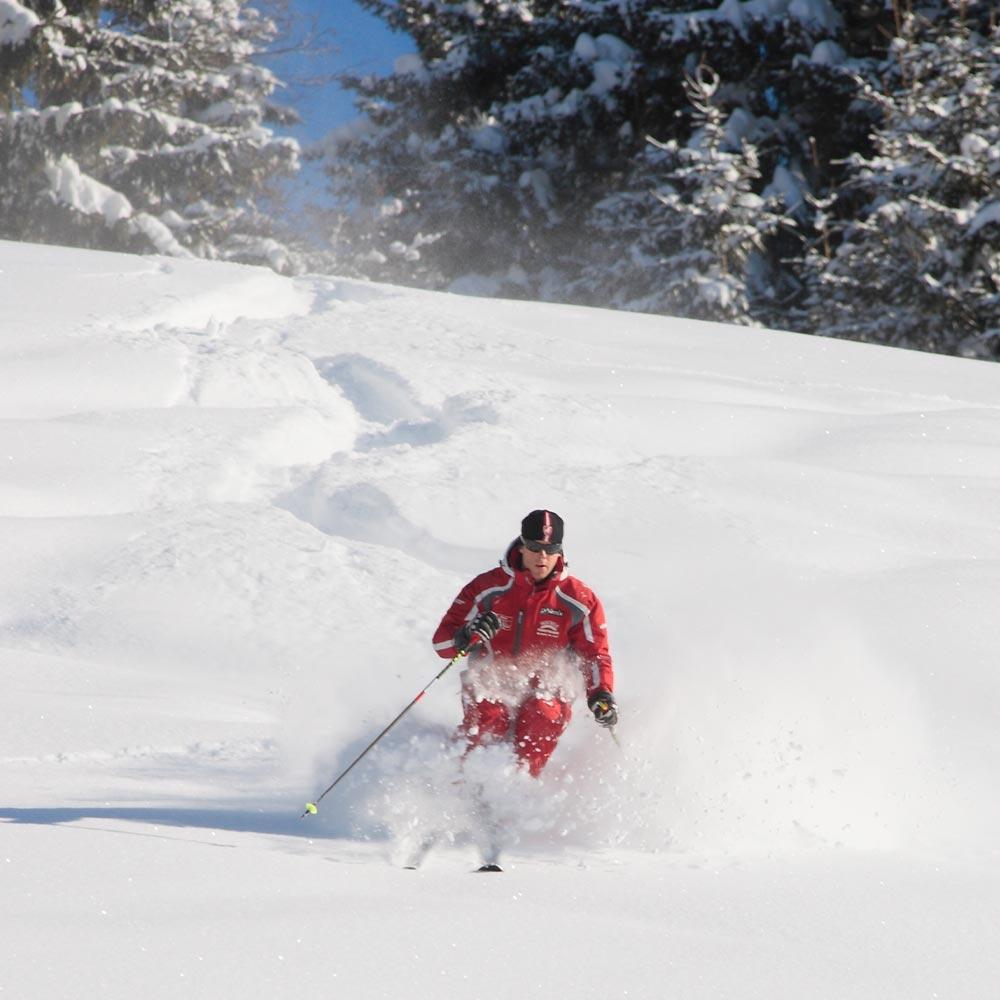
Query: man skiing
point(533, 629)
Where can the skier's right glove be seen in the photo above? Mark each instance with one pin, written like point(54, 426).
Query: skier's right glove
point(485, 626)
point(602, 704)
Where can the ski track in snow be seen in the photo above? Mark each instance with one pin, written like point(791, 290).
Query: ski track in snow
point(233, 507)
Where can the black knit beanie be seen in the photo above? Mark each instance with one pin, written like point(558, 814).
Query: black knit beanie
point(542, 526)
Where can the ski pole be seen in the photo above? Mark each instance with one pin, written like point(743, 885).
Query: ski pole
point(312, 807)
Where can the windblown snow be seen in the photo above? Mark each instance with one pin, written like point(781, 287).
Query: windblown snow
point(233, 507)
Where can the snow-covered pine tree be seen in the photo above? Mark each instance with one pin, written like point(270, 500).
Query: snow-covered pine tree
point(691, 221)
point(140, 126)
point(909, 252)
point(454, 175)
point(485, 152)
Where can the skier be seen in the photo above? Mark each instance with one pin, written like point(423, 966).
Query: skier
point(534, 628)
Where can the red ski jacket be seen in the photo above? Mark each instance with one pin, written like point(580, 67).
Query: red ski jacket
point(557, 613)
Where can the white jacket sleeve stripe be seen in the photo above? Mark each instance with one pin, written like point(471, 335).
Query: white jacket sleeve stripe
point(588, 629)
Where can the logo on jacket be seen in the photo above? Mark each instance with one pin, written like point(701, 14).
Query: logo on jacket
point(552, 611)
point(550, 629)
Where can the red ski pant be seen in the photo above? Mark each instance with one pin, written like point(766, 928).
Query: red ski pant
point(537, 725)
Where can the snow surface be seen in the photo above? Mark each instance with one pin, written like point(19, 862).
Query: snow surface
point(233, 507)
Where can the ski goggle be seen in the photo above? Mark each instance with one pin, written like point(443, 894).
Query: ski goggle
point(550, 549)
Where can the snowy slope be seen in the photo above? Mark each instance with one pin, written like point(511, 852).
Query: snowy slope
point(233, 506)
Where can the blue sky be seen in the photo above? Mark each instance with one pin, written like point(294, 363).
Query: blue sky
point(356, 41)
point(360, 43)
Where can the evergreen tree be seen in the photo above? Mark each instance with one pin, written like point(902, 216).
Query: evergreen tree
point(910, 247)
point(505, 141)
point(140, 126)
point(691, 243)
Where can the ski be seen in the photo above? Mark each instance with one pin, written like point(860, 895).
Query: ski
point(485, 830)
point(419, 854)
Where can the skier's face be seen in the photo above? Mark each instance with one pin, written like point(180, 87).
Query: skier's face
point(538, 564)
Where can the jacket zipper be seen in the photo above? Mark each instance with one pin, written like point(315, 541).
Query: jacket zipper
point(517, 632)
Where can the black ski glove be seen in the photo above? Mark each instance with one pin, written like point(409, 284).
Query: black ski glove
point(485, 626)
point(602, 704)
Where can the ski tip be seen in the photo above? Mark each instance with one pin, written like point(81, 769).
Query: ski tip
point(489, 868)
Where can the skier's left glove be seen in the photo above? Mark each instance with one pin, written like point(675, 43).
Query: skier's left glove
point(602, 704)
